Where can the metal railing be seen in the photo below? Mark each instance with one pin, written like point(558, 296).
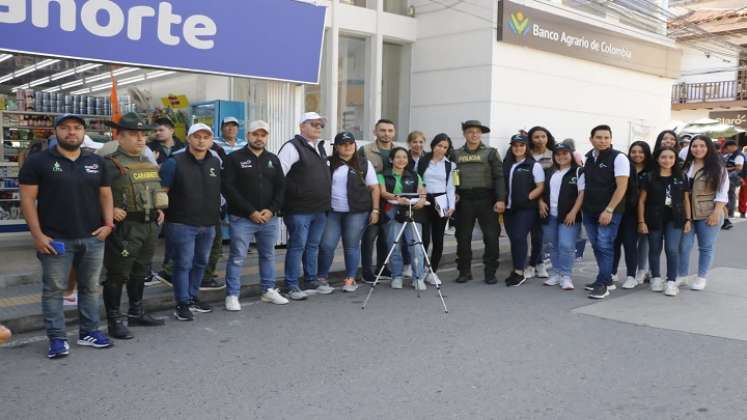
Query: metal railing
point(730, 90)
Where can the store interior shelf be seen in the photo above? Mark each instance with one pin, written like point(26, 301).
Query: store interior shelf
point(107, 117)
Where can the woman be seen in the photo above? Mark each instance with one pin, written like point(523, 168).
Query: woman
point(578, 157)
point(559, 209)
point(400, 180)
point(709, 191)
point(664, 215)
point(437, 173)
point(668, 138)
point(355, 205)
point(416, 144)
point(628, 237)
point(525, 182)
point(541, 145)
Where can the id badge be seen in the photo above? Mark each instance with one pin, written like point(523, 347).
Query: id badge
point(668, 201)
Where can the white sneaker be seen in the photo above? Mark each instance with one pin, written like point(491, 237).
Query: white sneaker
point(419, 284)
point(232, 303)
point(433, 279)
point(671, 289)
point(699, 284)
point(613, 278)
point(274, 296)
point(630, 283)
point(407, 271)
point(397, 283)
point(542, 271)
point(529, 272)
point(641, 277)
point(554, 280)
point(322, 288)
point(683, 281)
point(349, 286)
point(566, 283)
point(657, 284)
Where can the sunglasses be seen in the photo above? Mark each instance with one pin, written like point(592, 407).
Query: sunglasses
point(316, 124)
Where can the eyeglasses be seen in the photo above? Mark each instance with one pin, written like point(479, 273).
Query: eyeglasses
point(316, 124)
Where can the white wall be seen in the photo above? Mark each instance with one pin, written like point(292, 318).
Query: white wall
point(695, 64)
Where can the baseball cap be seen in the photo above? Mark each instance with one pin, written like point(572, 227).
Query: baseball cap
point(165, 121)
point(730, 143)
point(259, 125)
point(199, 127)
point(518, 138)
point(344, 138)
point(64, 117)
point(562, 147)
point(228, 120)
point(308, 116)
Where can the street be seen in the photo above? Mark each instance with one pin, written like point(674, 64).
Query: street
point(520, 353)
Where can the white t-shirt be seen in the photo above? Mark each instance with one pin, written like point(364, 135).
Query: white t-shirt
point(555, 183)
point(622, 164)
point(340, 186)
point(722, 195)
point(537, 172)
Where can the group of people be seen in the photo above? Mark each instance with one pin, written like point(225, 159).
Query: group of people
point(88, 211)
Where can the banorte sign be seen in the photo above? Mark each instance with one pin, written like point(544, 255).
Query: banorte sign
point(530, 27)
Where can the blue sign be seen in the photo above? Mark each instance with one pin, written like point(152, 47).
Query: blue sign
point(272, 39)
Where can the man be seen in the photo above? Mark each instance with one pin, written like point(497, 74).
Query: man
point(375, 235)
point(481, 194)
point(308, 197)
point(229, 141)
point(164, 144)
point(734, 161)
point(254, 186)
point(606, 172)
point(138, 203)
point(193, 181)
point(67, 202)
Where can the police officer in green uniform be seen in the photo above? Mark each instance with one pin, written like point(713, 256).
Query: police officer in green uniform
point(138, 201)
point(481, 196)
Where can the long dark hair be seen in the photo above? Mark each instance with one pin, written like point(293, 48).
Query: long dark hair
point(713, 167)
point(676, 169)
point(648, 163)
point(550, 137)
point(660, 137)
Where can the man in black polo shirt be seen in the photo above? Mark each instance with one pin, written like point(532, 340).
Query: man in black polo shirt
point(55, 184)
point(193, 181)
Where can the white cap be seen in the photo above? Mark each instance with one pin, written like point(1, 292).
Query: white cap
point(199, 127)
point(308, 116)
point(259, 125)
point(230, 120)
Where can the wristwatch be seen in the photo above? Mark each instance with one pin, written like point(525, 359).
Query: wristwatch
point(609, 210)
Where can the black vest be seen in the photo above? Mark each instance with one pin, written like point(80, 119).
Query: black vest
point(359, 196)
point(568, 192)
point(655, 201)
point(731, 160)
point(309, 183)
point(600, 182)
point(522, 182)
point(425, 161)
point(194, 196)
point(409, 186)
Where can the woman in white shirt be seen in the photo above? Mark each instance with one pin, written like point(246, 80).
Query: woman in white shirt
point(437, 172)
point(355, 205)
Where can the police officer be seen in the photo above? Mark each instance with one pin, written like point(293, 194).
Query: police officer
point(138, 200)
point(481, 194)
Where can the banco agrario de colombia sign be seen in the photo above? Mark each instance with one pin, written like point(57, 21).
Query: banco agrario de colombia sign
point(533, 28)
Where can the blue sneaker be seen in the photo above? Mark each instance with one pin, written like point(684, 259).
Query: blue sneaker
point(58, 348)
point(95, 339)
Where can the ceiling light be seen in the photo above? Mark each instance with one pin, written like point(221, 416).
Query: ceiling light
point(28, 69)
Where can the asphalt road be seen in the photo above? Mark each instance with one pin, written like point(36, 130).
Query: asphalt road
point(500, 353)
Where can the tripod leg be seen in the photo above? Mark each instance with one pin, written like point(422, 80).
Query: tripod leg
point(428, 266)
point(386, 261)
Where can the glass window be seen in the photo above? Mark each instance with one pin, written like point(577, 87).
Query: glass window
point(400, 7)
point(361, 3)
point(351, 88)
point(391, 81)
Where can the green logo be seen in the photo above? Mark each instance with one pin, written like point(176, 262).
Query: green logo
point(56, 167)
point(519, 23)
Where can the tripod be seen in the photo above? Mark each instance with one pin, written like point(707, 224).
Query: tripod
point(418, 241)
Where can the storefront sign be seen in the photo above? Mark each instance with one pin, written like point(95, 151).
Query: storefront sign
point(735, 118)
point(273, 39)
point(526, 26)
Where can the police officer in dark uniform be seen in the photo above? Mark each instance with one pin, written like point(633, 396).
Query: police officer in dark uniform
point(138, 201)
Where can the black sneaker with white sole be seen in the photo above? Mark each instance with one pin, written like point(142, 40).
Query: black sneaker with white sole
point(515, 279)
point(599, 292)
point(197, 306)
point(212, 283)
point(182, 313)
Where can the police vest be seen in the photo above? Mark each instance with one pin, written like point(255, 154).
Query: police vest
point(475, 169)
point(137, 189)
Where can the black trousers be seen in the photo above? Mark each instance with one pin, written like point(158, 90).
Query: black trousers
point(374, 237)
point(538, 254)
point(627, 239)
point(467, 211)
point(434, 228)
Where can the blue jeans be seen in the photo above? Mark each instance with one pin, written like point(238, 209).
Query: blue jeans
point(87, 256)
point(560, 240)
point(190, 247)
point(707, 236)
point(670, 237)
point(242, 232)
point(304, 236)
point(417, 259)
point(350, 227)
point(518, 225)
point(602, 240)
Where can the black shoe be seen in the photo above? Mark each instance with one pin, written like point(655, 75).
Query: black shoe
point(599, 292)
point(727, 225)
point(590, 286)
point(490, 278)
point(118, 329)
point(197, 306)
point(151, 279)
point(182, 313)
point(515, 279)
point(464, 277)
point(165, 278)
point(212, 283)
point(742, 216)
point(145, 320)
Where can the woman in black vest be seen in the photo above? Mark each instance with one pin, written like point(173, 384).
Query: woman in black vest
point(664, 214)
point(525, 181)
point(437, 172)
point(541, 146)
point(355, 205)
point(560, 211)
point(400, 180)
point(628, 237)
